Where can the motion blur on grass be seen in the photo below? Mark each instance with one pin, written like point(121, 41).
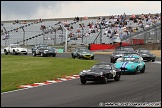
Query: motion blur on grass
point(21, 70)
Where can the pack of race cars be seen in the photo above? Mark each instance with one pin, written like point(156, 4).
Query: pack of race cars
point(122, 60)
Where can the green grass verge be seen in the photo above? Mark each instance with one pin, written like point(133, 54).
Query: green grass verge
point(20, 70)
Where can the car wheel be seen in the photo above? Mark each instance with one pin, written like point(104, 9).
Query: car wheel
point(54, 55)
point(42, 55)
point(83, 81)
point(14, 52)
point(34, 54)
point(112, 60)
point(153, 60)
point(143, 70)
point(148, 60)
point(92, 57)
point(5, 52)
point(25, 53)
point(117, 76)
point(73, 56)
point(104, 81)
point(136, 71)
point(78, 56)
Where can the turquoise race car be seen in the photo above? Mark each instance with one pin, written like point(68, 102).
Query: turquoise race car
point(131, 64)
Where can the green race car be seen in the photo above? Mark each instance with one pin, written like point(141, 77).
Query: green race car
point(130, 64)
point(82, 52)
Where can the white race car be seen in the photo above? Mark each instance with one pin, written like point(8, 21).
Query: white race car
point(15, 49)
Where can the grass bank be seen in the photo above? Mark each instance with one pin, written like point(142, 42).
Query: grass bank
point(20, 70)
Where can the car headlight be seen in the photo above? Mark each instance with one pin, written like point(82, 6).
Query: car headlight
point(153, 55)
point(119, 55)
point(85, 70)
point(45, 51)
point(132, 67)
point(101, 73)
point(80, 73)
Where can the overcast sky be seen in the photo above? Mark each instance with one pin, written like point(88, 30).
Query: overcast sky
point(25, 10)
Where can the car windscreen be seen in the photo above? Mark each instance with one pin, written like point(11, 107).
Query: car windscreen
point(119, 52)
point(102, 66)
point(129, 49)
point(15, 46)
point(129, 53)
point(84, 50)
point(129, 59)
point(51, 48)
point(41, 45)
point(43, 48)
point(144, 51)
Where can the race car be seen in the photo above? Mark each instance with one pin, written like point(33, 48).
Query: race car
point(126, 48)
point(82, 52)
point(121, 51)
point(43, 51)
point(15, 49)
point(146, 54)
point(100, 72)
point(131, 64)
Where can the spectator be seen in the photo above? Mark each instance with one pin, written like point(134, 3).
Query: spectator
point(124, 15)
point(77, 19)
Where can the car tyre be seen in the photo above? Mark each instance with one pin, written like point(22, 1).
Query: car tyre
point(34, 54)
point(25, 53)
point(5, 52)
point(148, 60)
point(143, 70)
point(117, 76)
point(104, 81)
point(14, 52)
point(42, 55)
point(112, 60)
point(92, 57)
point(136, 71)
point(54, 55)
point(153, 60)
point(83, 81)
point(73, 56)
point(79, 57)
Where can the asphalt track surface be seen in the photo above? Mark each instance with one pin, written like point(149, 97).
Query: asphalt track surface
point(142, 87)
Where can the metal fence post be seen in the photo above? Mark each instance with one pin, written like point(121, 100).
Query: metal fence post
point(54, 36)
point(65, 37)
point(43, 35)
point(100, 33)
point(82, 34)
point(82, 31)
point(23, 36)
point(155, 34)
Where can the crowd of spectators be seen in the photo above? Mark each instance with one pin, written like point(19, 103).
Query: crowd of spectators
point(112, 26)
point(118, 25)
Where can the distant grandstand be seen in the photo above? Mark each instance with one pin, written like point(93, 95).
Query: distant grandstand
point(84, 30)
